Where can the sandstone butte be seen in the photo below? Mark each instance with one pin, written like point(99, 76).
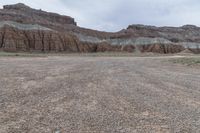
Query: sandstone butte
point(25, 29)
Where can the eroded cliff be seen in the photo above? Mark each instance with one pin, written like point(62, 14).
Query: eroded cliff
point(25, 29)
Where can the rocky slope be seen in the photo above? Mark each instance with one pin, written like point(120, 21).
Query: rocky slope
point(20, 37)
point(25, 29)
point(24, 14)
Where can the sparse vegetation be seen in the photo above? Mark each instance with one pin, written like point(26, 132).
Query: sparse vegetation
point(190, 61)
point(9, 54)
point(96, 54)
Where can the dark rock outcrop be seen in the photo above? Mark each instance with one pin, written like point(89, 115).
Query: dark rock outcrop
point(24, 14)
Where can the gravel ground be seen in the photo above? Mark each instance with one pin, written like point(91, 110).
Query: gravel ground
point(98, 95)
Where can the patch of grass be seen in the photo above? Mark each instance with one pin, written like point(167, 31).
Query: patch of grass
point(190, 61)
point(10, 54)
point(101, 54)
point(97, 54)
point(106, 54)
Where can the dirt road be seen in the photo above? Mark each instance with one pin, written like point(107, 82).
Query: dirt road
point(98, 95)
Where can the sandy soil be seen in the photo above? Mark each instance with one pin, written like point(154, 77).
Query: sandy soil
point(98, 95)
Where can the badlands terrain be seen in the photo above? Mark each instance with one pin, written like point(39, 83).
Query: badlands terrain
point(57, 77)
point(23, 28)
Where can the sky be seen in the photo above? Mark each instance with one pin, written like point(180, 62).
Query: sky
point(114, 15)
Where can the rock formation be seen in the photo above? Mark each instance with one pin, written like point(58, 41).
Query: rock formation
point(25, 29)
point(24, 14)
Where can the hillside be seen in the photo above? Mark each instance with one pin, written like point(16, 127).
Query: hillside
point(25, 29)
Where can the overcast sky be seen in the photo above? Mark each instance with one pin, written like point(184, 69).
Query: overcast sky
point(114, 15)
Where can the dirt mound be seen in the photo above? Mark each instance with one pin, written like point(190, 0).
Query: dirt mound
point(161, 48)
point(186, 51)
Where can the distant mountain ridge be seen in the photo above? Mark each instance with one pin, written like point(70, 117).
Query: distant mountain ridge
point(25, 29)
